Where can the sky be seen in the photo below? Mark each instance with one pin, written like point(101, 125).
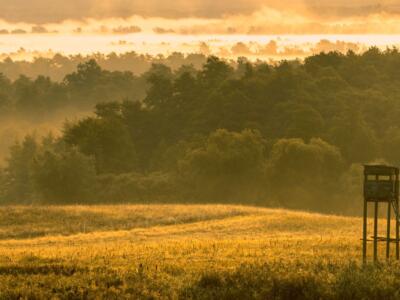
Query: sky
point(224, 27)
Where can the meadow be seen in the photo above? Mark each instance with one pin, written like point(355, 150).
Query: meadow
point(186, 252)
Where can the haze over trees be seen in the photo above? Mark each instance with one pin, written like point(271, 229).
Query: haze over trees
point(292, 134)
point(59, 65)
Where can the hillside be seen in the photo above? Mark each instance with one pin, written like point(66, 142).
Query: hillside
point(177, 251)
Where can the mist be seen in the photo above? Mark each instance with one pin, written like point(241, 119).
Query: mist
point(14, 128)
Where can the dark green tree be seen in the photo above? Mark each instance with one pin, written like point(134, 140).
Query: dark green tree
point(17, 175)
point(304, 175)
point(228, 166)
point(64, 177)
point(106, 138)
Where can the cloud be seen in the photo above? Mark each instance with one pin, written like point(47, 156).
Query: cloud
point(53, 11)
point(275, 21)
point(48, 11)
point(208, 16)
point(343, 9)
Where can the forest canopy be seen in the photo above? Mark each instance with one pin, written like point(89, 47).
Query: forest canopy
point(291, 134)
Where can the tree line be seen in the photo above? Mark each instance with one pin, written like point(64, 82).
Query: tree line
point(57, 66)
point(292, 134)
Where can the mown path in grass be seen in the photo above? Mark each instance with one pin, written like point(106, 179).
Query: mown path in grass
point(20, 222)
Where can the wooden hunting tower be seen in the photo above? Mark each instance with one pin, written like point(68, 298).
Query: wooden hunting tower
point(381, 185)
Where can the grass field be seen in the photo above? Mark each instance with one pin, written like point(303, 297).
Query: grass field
point(185, 252)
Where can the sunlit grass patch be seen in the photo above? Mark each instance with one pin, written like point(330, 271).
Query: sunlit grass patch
point(197, 252)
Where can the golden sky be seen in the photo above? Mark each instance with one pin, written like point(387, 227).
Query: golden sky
point(205, 16)
point(231, 27)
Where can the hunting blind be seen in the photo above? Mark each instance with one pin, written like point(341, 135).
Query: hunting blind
point(381, 185)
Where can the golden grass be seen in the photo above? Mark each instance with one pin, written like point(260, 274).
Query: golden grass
point(174, 246)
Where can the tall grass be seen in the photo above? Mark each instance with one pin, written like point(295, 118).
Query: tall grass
point(186, 252)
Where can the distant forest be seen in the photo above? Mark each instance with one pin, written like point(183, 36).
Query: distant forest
point(294, 134)
point(59, 65)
